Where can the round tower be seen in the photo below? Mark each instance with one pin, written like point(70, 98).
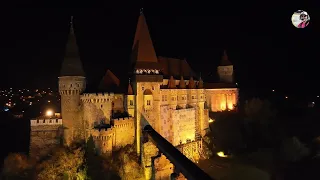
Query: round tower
point(225, 70)
point(72, 83)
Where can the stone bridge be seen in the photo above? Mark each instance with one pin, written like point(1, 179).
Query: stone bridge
point(156, 147)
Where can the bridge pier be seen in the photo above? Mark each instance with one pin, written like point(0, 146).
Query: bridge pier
point(150, 152)
point(183, 168)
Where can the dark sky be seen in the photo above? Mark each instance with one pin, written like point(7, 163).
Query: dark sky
point(266, 49)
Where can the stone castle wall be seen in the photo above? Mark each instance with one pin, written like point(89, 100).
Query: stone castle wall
point(191, 150)
point(124, 131)
point(221, 99)
point(184, 125)
point(98, 107)
point(119, 135)
point(45, 135)
point(103, 139)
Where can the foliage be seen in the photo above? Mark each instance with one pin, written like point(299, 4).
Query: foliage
point(129, 165)
point(99, 166)
point(227, 133)
point(63, 164)
point(293, 150)
point(259, 111)
point(259, 123)
point(16, 166)
point(206, 150)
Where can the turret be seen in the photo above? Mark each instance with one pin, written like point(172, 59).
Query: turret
point(130, 100)
point(72, 83)
point(146, 80)
point(225, 70)
point(182, 84)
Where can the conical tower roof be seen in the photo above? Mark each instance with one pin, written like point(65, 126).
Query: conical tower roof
point(182, 84)
point(171, 83)
point(130, 90)
point(143, 52)
point(200, 84)
point(71, 65)
point(191, 84)
point(225, 60)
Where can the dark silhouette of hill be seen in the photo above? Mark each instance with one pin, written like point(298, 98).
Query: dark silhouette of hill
point(15, 135)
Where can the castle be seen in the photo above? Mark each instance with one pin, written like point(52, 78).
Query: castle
point(162, 92)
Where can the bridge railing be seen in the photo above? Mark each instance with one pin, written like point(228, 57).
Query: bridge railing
point(184, 165)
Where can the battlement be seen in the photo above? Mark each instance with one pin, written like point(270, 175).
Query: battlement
point(97, 97)
point(123, 121)
point(102, 132)
point(46, 122)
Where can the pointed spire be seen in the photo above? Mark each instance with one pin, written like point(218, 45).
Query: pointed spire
point(171, 83)
point(200, 84)
point(225, 60)
point(142, 49)
point(182, 84)
point(191, 84)
point(72, 65)
point(130, 90)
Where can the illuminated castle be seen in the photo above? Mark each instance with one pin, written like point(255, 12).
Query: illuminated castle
point(163, 92)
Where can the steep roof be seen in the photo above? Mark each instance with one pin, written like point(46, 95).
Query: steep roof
point(71, 65)
point(143, 52)
point(175, 67)
point(225, 60)
point(109, 83)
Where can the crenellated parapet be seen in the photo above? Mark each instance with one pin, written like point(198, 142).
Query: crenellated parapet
point(122, 122)
point(45, 124)
point(124, 131)
point(97, 97)
point(48, 122)
point(101, 134)
point(103, 139)
point(45, 134)
point(71, 85)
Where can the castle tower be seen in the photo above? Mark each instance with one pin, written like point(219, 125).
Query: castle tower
point(130, 102)
point(202, 121)
point(146, 80)
point(225, 70)
point(72, 83)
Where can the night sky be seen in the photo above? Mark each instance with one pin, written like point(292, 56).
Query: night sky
point(268, 52)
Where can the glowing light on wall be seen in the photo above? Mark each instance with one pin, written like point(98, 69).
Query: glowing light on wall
point(223, 105)
point(49, 113)
point(221, 154)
